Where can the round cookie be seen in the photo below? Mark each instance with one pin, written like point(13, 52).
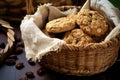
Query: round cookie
point(92, 22)
point(60, 25)
point(72, 16)
point(77, 37)
point(52, 35)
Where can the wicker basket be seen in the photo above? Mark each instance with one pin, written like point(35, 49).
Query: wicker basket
point(14, 10)
point(10, 34)
point(83, 60)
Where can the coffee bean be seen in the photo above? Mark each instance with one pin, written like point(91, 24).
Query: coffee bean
point(2, 45)
point(41, 71)
point(13, 57)
point(30, 75)
point(20, 44)
point(19, 50)
point(18, 39)
point(32, 63)
point(19, 65)
point(10, 62)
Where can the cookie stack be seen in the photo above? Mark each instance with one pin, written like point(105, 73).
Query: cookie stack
point(87, 26)
point(85, 52)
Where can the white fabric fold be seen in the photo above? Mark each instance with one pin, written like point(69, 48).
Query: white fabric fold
point(113, 33)
point(110, 12)
point(54, 12)
point(40, 16)
point(86, 5)
point(108, 9)
point(36, 42)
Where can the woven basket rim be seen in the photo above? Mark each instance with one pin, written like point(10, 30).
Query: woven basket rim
point(71, 57)
point(91, 46)
point(10, 36)
point(31, 9)
point(91, 49)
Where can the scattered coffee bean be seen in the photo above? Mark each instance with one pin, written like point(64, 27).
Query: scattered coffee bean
point(13, 57)
point(19, 50)
point(2, 45)
point(18, 39)
point(19, 65)
point(30, 75)
point(25, 78)
point(41, 71)
point(39, 61)
point(32, 63)
point(10, 62)
point(20, 44)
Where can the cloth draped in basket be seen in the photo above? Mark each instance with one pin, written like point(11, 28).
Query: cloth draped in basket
point(37, 44)
point(112, 14)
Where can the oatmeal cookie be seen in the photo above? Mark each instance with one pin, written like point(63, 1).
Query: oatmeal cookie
point(77, 37)
point(92, 22)
point(52, 35)
point(72, 16)
point(60, 25)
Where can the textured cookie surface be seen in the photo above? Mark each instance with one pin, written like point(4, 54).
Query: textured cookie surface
point(92, 22)
point(52, 35)
point(60, 25)
point(72, 16)
point(77, 37)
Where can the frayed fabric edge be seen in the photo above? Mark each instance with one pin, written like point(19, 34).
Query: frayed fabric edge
point(56, 47)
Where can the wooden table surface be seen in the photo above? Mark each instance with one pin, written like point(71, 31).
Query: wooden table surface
point(11, 73)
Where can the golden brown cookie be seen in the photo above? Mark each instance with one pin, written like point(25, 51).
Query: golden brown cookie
point(77, 37)
point(60, 25)
point(92, 22)
point(72, 16)
point(52, 35)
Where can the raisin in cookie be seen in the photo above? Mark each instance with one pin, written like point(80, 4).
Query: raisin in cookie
point(60, 25)
point(77, 37)
point(92, 22)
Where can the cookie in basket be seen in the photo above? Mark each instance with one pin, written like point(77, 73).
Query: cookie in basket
point(72, 16)
point(60, 25)
point(77, 37)
point(52, 35)
point(92, 22)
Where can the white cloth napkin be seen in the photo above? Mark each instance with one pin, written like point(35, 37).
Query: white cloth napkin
point(37, 44)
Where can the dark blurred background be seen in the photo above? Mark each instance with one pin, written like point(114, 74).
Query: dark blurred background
point(15, 10)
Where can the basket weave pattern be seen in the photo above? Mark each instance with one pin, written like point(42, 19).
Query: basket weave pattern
point(12, 10)
point(89, 60)
point(83, 60)
point(5, 26)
